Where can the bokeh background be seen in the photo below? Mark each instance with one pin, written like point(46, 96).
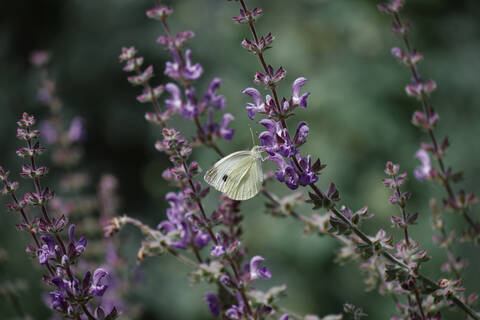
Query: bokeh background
point(358, 114)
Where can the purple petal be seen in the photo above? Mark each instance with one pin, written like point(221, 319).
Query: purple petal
point(97, 288)
point(71, 231)
point(48, 132)
point(301, 134)
point(255, 95)
point(265, 272)
point(201, 239)
point(213, 303)
point(297, 86)
point(269, 124)
point(175, 102)
point(255, 271)
point(422, 172)
point(191, 72)
point(226, 133)
point(217, 251)
point(76, 132)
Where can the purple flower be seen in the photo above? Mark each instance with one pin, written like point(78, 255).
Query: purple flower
point(217, 251)
point(177, 71)
point(47, 250)
point(127, 54)
point(284, 106)
point(49, 133)
point(75, 248)
point(190, 109)
point(58, 302)
point(256, 271)
point(301, 134)
point(286, 316)
point(175, 102)
point(202, 238)
point(258, 106)
point(213, 303)
point(307, 176)
point(97, 288)
point(191, 71)
point(423, 171)
point(234, 313)
point(172, 69)
point(211, 98)
point(285, 172)
point(76, 132)
point(226, 281)
point(270, 78)
point(225, 132)
point(159, 12)
point(177, 224)
point(212, 128)
point(177, 206)
point(276, 139)
point(39, 58)
point(185, 236)
point(298, 100)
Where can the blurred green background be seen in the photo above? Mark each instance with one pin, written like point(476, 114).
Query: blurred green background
point(358, 114)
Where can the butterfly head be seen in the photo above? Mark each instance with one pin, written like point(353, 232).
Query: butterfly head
point(257, 152)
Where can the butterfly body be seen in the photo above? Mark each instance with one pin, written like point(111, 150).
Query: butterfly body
point(239, 175)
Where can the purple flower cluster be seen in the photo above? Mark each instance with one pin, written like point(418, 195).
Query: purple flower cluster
point(293, 169)
point(188, 227)
point(183, 226)
point(184, 72)
point(178, 225)
point(253, 272)
point(70, 296)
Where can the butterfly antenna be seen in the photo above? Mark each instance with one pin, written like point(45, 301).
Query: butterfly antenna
point(251, 132)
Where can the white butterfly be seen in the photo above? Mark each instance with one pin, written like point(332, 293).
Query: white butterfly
point(239, 175)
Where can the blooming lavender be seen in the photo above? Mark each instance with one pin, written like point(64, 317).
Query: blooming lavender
point(70, 295)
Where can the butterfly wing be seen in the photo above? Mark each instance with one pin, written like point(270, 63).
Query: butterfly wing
point(245, 180)
point(218, 175)
point(238, 175)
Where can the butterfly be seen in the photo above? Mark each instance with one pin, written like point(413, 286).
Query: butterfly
point(239, 175)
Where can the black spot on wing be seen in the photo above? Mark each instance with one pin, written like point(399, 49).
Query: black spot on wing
point(225, 177)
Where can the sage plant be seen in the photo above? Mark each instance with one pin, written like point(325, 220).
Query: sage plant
point(65, 140)
point(295, 169)
point(211, 242)
point(188, 227)
point(426, 119)
point(70, 295)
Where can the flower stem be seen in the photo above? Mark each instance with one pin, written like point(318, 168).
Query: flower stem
point(338, 213)
point(426, 108)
